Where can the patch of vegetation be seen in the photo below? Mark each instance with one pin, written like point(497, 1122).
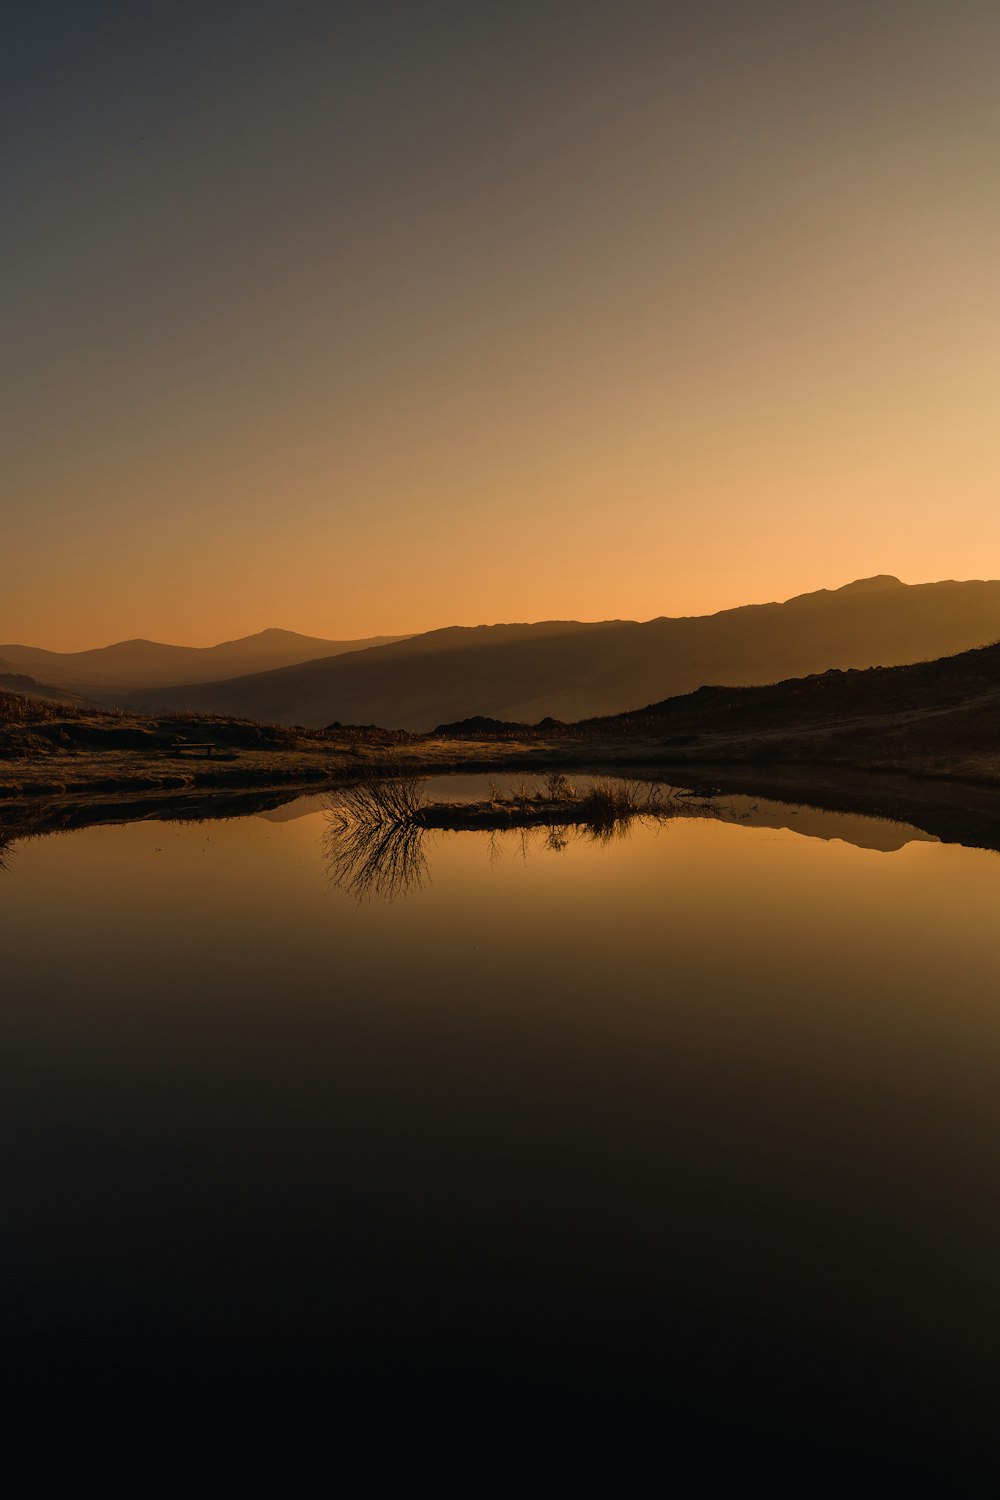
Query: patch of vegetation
point(374, 839)
point(32, 726)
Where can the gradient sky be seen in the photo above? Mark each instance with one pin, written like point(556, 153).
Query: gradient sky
point(361, 318)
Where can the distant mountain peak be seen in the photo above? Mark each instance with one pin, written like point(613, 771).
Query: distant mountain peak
point(273, 632)
point(872, 585)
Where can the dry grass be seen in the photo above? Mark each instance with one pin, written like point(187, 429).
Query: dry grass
point(603, 808)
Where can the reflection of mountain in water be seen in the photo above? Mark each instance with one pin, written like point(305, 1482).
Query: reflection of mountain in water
point(301, 807)
point(812, 822)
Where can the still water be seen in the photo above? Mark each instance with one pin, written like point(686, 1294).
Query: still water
point(707, 1114)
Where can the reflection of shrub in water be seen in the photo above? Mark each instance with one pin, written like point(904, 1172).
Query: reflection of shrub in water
point(606, 810)
point(7, 841)
point(611, 805)
point(374, 838)
point(603, 810)
point(373, 844)
point(382, 799)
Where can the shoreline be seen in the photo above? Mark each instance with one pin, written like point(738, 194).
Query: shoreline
point(85, 772)
point(62, 795)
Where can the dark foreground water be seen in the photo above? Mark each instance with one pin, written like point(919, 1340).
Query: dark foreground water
point(701, 1123)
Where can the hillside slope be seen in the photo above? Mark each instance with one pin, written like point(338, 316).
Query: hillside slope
point(571, 670)
point(939, 716)
point(12, 681)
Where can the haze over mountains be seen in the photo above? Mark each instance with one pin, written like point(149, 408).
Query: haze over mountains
point(571, 670)
point(13, 681)
point(145, 664)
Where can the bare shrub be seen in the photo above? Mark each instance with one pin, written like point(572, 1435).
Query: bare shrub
point(373, 844)
point(393, 799)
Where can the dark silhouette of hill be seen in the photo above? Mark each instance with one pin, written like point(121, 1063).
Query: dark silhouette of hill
point(941, 716)
point(142, 664)
point(571, 670)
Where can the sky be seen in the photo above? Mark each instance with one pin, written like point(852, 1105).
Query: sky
point(372, 318)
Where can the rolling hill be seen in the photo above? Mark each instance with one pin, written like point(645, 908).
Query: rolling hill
point(939, 715)
point(571, 670)
point(147, 664)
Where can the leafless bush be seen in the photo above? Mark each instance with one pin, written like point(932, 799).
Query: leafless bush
point(373, 844)
point(393, 799)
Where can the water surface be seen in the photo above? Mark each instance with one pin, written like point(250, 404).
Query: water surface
point(707, 1115)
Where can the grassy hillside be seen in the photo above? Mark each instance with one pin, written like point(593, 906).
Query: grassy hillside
point(34, 726)
point(571, 670)
point(942, 715)
point(50, 748)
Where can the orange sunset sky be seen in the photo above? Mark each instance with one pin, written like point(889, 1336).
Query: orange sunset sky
point(379, 317)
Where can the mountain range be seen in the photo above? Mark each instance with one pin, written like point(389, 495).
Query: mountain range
point(146, 664)
point(573, 670)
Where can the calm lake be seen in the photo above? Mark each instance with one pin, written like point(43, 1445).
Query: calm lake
point(707, 1114)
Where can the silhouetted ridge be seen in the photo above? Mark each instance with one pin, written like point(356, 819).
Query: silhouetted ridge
point(570, 670)
point(142, 664)
point(918, 686)
point(879, 583)
point(941, 716)
point(479, 726)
